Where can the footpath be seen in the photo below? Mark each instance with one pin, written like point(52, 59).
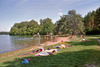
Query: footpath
point(98, 40)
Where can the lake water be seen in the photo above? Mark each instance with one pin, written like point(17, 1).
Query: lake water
point(11, 43)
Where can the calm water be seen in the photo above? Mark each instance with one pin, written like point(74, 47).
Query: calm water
point(11, 43)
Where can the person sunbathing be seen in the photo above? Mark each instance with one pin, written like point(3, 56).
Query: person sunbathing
point(84, 40)
point(61, 46)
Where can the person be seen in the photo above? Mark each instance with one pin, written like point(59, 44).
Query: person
point(56, 46)
point(51, 36)
point(62, 41)
point(48, 48)
point(41, 49)
point(50, 53)
point(84, 39)
point(81, 36)
point(38, 38)
point(61, 46)
point(37, 50)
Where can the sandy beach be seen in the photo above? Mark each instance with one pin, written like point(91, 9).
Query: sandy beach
point(59, 39)
point(28, 49)
point(48, 43)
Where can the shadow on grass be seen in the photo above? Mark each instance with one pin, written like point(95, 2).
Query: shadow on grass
point(62, 59)
point(66, 59)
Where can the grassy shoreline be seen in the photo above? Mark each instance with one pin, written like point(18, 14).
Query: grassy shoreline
point(80, 55)
point(16, 52)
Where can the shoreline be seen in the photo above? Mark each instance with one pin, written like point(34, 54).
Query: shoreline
point(82, 49)
point(15, 53)
point(48, 43)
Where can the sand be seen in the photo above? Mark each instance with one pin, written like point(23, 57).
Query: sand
point(28, 49)
point(59, 39)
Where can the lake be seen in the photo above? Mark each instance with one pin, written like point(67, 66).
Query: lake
point(11, 43)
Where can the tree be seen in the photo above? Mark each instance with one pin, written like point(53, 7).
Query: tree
point(71, 23)
point(46, 26)
point(89, 20)
point(92, 20)
point(14, 31)
point(74, 23)
point(25, 28)
point(97, 24)
point(32, 27)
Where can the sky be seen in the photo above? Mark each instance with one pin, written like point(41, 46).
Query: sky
point(16, 11)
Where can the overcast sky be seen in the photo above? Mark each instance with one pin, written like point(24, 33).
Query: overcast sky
point(16, 11)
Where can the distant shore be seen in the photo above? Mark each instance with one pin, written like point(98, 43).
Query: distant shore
point(4, 33)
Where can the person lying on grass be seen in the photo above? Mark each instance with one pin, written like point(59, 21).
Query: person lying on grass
point(32, 52)
point(84, 40)
point(61, 46)
point(47, 52)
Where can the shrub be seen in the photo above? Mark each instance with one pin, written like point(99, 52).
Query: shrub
point(93, 32)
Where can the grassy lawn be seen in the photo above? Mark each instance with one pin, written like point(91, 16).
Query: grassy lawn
point(81, 54)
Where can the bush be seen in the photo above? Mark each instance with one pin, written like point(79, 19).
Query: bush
point(93, 32)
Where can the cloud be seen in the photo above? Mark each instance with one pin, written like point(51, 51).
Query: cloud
point(60, 9)
point(60, 13)
point(8, 29)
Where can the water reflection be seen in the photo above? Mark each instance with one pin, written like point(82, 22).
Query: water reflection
point(11, 43)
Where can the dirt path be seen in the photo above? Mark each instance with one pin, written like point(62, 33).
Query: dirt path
point(96, 39)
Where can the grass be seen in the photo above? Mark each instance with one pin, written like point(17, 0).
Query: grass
point(77, 56)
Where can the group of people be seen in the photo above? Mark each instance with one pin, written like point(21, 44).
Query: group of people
point(49, 51)
point(52, 37)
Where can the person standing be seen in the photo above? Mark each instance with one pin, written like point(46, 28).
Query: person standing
point(38, 38)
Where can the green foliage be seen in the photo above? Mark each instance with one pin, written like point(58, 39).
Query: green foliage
point(25, 28)
point(4, 33)
point(75, 24)
point(46, 26)
point(92, 21)
point(79, 55)
point(93, 32)
point(89, 21)
point(71, 24)
point(32, 27)
point(98, 18)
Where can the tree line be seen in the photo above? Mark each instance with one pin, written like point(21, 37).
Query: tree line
point(71, 23)
point(4, 33)
point(32, 27)
point(92, 22)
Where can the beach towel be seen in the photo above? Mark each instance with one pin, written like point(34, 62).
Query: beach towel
point(47, 52)
point(42, 54)
point(25, 61)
